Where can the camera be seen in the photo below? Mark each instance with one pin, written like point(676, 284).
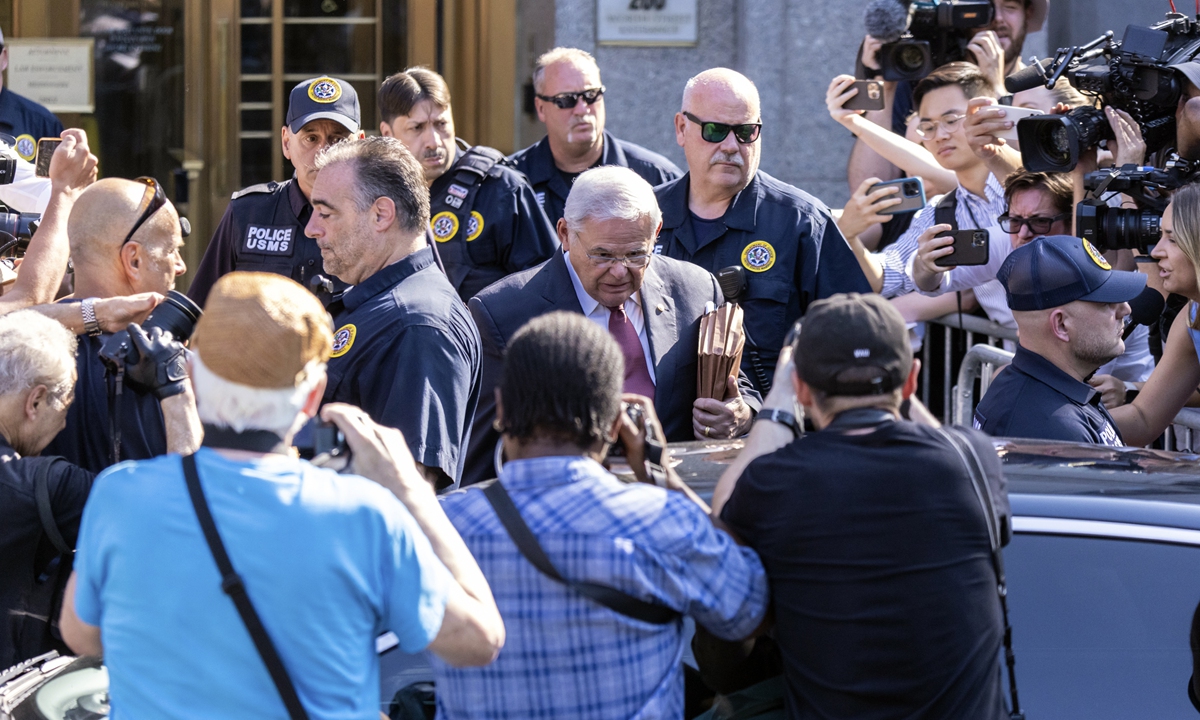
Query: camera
point(1138, 228)
point(1133, 75)
point(177, 314)
point(938, 33)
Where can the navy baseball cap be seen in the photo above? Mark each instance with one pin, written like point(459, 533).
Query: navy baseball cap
point(323, 98)
point(1057, 269)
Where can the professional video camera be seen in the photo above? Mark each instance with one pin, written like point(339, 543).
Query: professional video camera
point(1133, 75)
point(1138, 228)
point(925, 35)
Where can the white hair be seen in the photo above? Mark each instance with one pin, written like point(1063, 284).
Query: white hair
point(35, 350)
point(559, 54)
point(611, 193)
point(241, 407)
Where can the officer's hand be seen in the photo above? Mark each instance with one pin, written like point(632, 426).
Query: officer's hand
point(116, 313)
point(870, 52)
point(863, 208)
point(73, 166)
point(984, 122)
point(379, 453)
point(1112, 390)
point(1128, 145)
point(721, 418)
point(159, 366)
point(931, 246)
point(989, 56)
point(836, 96)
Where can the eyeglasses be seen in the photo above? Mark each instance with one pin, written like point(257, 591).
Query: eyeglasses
point(567, 101)
point(928, 128)
point(1037, 225)
point(637, 261)
point(715, 132)
point(153, 199)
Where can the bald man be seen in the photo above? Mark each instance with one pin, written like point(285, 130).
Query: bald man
point(777, 243)
point(125, 239)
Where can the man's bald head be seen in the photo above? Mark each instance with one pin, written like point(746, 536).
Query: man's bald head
point(102, 217)
point(719, 170)
point(721, 86)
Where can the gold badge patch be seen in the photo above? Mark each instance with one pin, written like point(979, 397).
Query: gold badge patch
point(343, 340)
point(324, 90)
point(444, 226)
point(26, 147)
point(474, 226)
point(1095, 255)
point(758, 256)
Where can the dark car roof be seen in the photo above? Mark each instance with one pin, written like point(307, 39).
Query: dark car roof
point(1045, 479)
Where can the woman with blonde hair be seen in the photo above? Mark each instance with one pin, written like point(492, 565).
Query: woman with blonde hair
point(1178, 373)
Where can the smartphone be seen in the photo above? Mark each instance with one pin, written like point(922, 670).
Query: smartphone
point(45, 151)
point(1015, 114)
point(869, 97)
point(970, 248)
point(912, 194)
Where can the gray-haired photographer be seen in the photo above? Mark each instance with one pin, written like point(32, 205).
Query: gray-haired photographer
point(42, 498)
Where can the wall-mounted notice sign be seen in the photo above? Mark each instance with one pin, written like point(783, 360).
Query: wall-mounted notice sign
point(54, 72)
point(646, 22)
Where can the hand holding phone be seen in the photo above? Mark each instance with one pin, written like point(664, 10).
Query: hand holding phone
point(869, 97)
point(912, 195)
point(970, 248)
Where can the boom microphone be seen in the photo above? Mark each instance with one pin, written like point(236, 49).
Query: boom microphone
point(1028, 78)
point(886, 20)
point(1145, 310)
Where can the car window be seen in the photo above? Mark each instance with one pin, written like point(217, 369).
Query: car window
point(1100, 627)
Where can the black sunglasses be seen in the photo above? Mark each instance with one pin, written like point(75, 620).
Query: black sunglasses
point(153, 199)
point(567, 101)
point(1037, 225)
point(715, 132)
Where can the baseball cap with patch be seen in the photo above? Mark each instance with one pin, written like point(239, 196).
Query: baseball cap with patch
point(262, 330)
point(851, 345)
point(324, 98)
point(1190, 70)
point(1057, 269)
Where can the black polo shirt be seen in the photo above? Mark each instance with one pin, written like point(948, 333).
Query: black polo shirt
point(788, 245)
point(87, 439)
point(406, 351)
point(27, 122)
point(537, 162)
point(1033, 398)
point(25, 553)
point(262, 231)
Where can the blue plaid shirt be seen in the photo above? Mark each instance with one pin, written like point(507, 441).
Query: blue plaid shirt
point(566, 656)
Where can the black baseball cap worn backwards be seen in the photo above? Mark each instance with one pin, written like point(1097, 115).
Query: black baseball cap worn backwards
point(849, 331)
point(1054, 270)
point(323, 98)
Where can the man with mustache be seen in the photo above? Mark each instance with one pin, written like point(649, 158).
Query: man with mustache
point(484, 215)
point(570, 101)
point(726, 213)
point(263, 226)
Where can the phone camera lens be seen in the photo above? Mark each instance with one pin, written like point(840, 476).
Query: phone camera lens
point(910, 189)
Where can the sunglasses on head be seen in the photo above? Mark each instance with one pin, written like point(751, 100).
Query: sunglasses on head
point(566, 101)
point(715, 132)
point(153, 199)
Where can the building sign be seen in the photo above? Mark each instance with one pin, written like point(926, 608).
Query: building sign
point(56, 73)
point(646, 22)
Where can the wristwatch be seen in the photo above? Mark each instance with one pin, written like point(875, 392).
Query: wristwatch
point(783, 417)
point(91, 325)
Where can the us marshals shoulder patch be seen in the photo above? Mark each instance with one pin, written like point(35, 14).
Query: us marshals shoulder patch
point(343, 340)
point(269, 240)
point(474, 225)
point(758, 256)
point(26, 147)
point(444, 226)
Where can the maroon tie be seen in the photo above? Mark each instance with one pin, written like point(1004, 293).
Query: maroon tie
point(637, 376)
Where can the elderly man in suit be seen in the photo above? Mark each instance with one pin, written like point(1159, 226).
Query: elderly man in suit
point(651, 304)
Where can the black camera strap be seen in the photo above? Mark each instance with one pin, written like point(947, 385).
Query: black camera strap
point(611, 598)
point(232, 585)
point(263, 441)
point(966, 452)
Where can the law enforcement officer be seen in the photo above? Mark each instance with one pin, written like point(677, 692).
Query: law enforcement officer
point(780, 244)
point(1070, 307)
point(484, 215)
point(22, 118)
point(405, 350)
point(263, 227)
point(570, 101)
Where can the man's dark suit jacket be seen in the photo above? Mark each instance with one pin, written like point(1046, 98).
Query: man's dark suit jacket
point(674, 294)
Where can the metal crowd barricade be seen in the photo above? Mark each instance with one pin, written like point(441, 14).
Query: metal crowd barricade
point(972, 329)
point(1183, 434)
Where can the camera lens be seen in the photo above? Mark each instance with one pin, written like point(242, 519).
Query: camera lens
point(1117, 228)
point(910, 58)
point(1052, 143)
point(911, 189)
point(177, 315)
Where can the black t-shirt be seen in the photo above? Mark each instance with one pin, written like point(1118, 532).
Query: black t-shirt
point(25, 552)
point(880, 569)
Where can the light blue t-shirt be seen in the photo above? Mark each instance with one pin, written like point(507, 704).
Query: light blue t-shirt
point(329, 561)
